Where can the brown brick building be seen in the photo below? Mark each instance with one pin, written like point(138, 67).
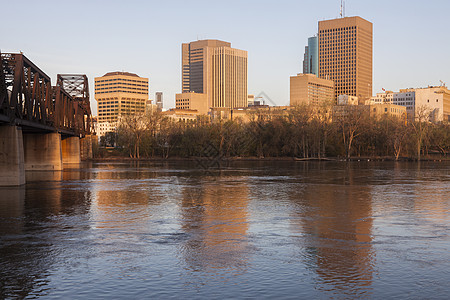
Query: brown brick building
point(345, 55)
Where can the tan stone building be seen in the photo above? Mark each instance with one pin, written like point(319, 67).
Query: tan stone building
point(183, 115)
point(213, 68)
point(347, 100)
point(388, 109)
point(119, 93)
point(372, 110)
point(193, 101)
point(310, 90)
point(345, 55)
point(247, 114)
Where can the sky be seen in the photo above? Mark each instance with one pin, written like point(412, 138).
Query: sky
point(411, 38)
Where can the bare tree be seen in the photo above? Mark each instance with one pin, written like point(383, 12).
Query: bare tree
point(131, 129)
point(350, 120)
point(420, 127)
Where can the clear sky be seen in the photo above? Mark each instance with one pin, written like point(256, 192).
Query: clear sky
point(411, 38)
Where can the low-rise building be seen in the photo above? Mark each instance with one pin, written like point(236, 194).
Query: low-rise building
point(310, 90)
point(150, 107)
point(347, 100)
point(387, 109)
point(183, 115)
point(192, 101)
point(432, 103)
point(247, 114)
point(106, 126)
point(346, 111)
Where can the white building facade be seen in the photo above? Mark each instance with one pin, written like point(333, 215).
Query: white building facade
point(432, 101)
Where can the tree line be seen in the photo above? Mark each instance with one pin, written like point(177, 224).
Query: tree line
point(301, 132)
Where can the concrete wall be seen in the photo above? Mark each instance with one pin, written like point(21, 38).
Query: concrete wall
point(71, 153)
point(12, 171)
point(42, 152)
point(86, 147)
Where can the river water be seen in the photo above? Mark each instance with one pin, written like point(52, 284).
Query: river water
point(300, 230)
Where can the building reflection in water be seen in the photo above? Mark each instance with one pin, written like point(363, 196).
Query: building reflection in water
point(215, 219)
point(336, 221)
point(123, 197)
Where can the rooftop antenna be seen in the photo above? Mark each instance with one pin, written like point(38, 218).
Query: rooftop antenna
point(344, 8)
point(340, 14)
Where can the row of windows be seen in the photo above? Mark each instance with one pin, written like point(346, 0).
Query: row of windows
point(121, 91)
point(114, 112)
point(107, 102)
point(121, 79)
point(121, 87)
point(344, 52)
point(409, 103)
point(332, 30)
point(131, 108)
point(140, 102)
point(325, 43)
point(116, 83)
point(403, 99)
point(393, 110)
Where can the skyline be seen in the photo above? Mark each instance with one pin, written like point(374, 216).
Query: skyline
point(408, 50)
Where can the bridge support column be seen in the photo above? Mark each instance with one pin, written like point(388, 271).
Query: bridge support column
point(71, 153)
point(42, 151)
point(12, 170)
point(86, 145)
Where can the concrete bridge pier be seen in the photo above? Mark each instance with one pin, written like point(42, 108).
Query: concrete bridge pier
point(71, 153)
point(42, 151)
point(86, 145)
point(12, 169)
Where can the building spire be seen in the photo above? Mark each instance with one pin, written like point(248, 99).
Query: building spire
point(342, 12)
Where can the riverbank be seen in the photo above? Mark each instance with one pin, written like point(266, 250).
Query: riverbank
point(295, 159)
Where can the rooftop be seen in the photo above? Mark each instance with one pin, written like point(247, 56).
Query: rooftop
point(120, 73)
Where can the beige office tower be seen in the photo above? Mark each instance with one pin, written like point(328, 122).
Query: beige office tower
point(345, 55)
point(307, 89)
point(213, 68)
point(119, 94)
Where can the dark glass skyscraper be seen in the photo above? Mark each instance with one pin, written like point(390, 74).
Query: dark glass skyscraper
point(311, 57)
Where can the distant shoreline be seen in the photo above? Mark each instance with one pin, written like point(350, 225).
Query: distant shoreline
point(294, 159)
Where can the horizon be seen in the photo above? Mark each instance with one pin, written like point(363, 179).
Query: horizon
point(398, 40)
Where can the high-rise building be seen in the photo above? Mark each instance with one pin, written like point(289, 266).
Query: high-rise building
point(345, 55)
point(311, 57)
point(306, 61)
point(118, 94)
point(310, 90)
point(213, 68)
point(159, 100)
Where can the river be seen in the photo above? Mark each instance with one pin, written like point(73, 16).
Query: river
point(303, 230)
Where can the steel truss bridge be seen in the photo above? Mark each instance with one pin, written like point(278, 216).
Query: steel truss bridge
point(28, 99)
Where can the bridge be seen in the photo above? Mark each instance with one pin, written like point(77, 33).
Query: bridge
point(42, 127)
